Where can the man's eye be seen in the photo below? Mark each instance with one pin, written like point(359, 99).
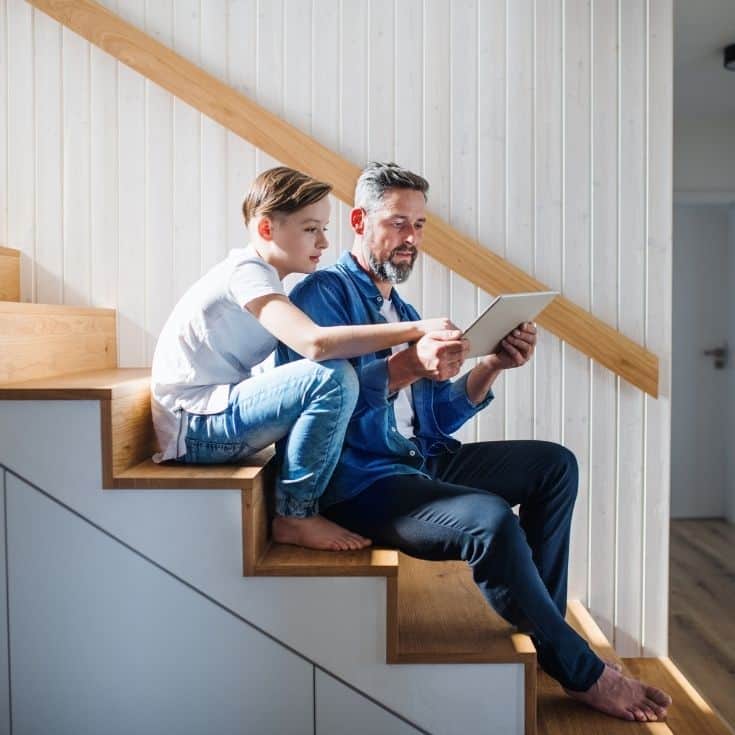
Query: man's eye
point(419, 225)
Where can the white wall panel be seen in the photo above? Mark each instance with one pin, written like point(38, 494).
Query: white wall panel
point(605, 182)
point(543, 128)
point(4, 678)
point(48, 267)
point(340, 709)
point(103, 641)
point(576, 367)
point(632, 275)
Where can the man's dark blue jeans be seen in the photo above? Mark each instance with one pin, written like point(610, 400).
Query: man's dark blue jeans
point(465, 512)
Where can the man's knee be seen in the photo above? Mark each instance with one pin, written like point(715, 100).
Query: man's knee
point(568, 469)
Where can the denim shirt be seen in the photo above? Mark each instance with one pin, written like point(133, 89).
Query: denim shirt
point(374, 448)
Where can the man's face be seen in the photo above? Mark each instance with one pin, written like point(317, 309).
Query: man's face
point(393, 234)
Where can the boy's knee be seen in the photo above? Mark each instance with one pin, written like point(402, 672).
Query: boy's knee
point(342, 373)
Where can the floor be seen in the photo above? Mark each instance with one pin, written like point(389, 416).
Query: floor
point(702, 609)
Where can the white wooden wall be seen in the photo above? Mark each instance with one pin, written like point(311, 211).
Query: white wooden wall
point(544, 127)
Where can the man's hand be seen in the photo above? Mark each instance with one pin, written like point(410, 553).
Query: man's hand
point(437, 356)
point(440, 354)
point(515, 350)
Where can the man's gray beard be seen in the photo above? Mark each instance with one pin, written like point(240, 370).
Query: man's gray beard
point(387, 271)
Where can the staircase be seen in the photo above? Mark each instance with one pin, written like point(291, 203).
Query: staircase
point(434, 612)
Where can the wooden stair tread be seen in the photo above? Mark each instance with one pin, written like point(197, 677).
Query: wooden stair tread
point(9, 274)
point(443, 618)
point(88, 384)
point(171, 475)
point(289, 561)
point(689, 714)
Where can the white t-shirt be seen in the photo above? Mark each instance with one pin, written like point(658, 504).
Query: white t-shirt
point(209, 343)
point(403, 405)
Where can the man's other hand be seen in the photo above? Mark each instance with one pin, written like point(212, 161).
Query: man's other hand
point(515, 349)
point(440, 354)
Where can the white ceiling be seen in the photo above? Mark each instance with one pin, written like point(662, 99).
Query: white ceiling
point(702, 86)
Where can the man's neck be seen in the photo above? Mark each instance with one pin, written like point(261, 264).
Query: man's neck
point(385, 287)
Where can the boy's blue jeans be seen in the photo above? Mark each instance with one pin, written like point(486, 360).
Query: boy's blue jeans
point(464, 512)
point(313, 401)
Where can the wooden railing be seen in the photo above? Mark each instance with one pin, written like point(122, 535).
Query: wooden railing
point(293, 148)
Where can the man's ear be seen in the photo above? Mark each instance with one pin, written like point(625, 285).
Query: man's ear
point(265, 228)
point(357, 220)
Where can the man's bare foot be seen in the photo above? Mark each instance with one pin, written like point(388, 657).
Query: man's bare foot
point(316, 532)
point(620, 696)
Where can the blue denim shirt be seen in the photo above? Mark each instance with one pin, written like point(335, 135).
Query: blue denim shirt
point(345, 294)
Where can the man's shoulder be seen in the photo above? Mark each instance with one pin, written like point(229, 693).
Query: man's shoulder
point(332, 277)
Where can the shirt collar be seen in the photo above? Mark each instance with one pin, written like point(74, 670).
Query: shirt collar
point(366, 284)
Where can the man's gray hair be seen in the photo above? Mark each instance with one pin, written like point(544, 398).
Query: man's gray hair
point(377, 178)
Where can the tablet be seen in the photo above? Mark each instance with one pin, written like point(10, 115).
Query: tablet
point(503, 315)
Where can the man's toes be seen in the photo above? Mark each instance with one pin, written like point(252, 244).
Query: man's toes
point(656, 695)
point(638, 713)
point(650, 714)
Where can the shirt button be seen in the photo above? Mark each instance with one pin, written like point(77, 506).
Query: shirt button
point(413, 452)
point(392, 428)
point(379, 299)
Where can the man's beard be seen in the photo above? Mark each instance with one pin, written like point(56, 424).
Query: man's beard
point(386, 270)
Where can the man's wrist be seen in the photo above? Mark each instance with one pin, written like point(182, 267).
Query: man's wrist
point(404, 368)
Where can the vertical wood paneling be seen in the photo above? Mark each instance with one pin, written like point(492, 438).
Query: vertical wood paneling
point(408, 131)
point(21, 149)
point(48, 267)
point(655, 587)
point(548, 208)
point(270, 61)
point(520, 168)
point(520, 114)
point(381, 81)
point(576, 273)
point(187, 160)
point(436, 86)
point(75, 53)
point(632, 317)
point(603, 448)
point(241, 57)
point(132, 204)
point(214, 140)
point(352, 97)
point(159, 174)
point(103, 179)
point(491, 94)
point(463, 161)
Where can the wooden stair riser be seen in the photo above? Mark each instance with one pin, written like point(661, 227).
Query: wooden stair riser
point(9, 274)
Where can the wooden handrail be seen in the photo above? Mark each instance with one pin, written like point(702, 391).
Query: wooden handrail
point(291, 147)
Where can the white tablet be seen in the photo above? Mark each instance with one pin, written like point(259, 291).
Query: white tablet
point(503, 315)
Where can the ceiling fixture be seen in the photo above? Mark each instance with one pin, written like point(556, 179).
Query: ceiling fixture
point(730, 57)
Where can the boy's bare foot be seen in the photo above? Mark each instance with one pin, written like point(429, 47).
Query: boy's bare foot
point(620, 696)
point(316, 532)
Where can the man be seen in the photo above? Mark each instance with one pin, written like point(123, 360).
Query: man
point(404, 482)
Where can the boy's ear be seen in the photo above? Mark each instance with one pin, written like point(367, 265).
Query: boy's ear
point(357, 220)
point(265, 228)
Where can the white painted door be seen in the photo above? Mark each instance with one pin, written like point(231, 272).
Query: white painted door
point(703, 306)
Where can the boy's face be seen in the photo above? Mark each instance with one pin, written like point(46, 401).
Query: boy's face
point(301, 236)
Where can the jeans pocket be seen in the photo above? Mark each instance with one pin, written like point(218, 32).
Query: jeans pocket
point(212, 452)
